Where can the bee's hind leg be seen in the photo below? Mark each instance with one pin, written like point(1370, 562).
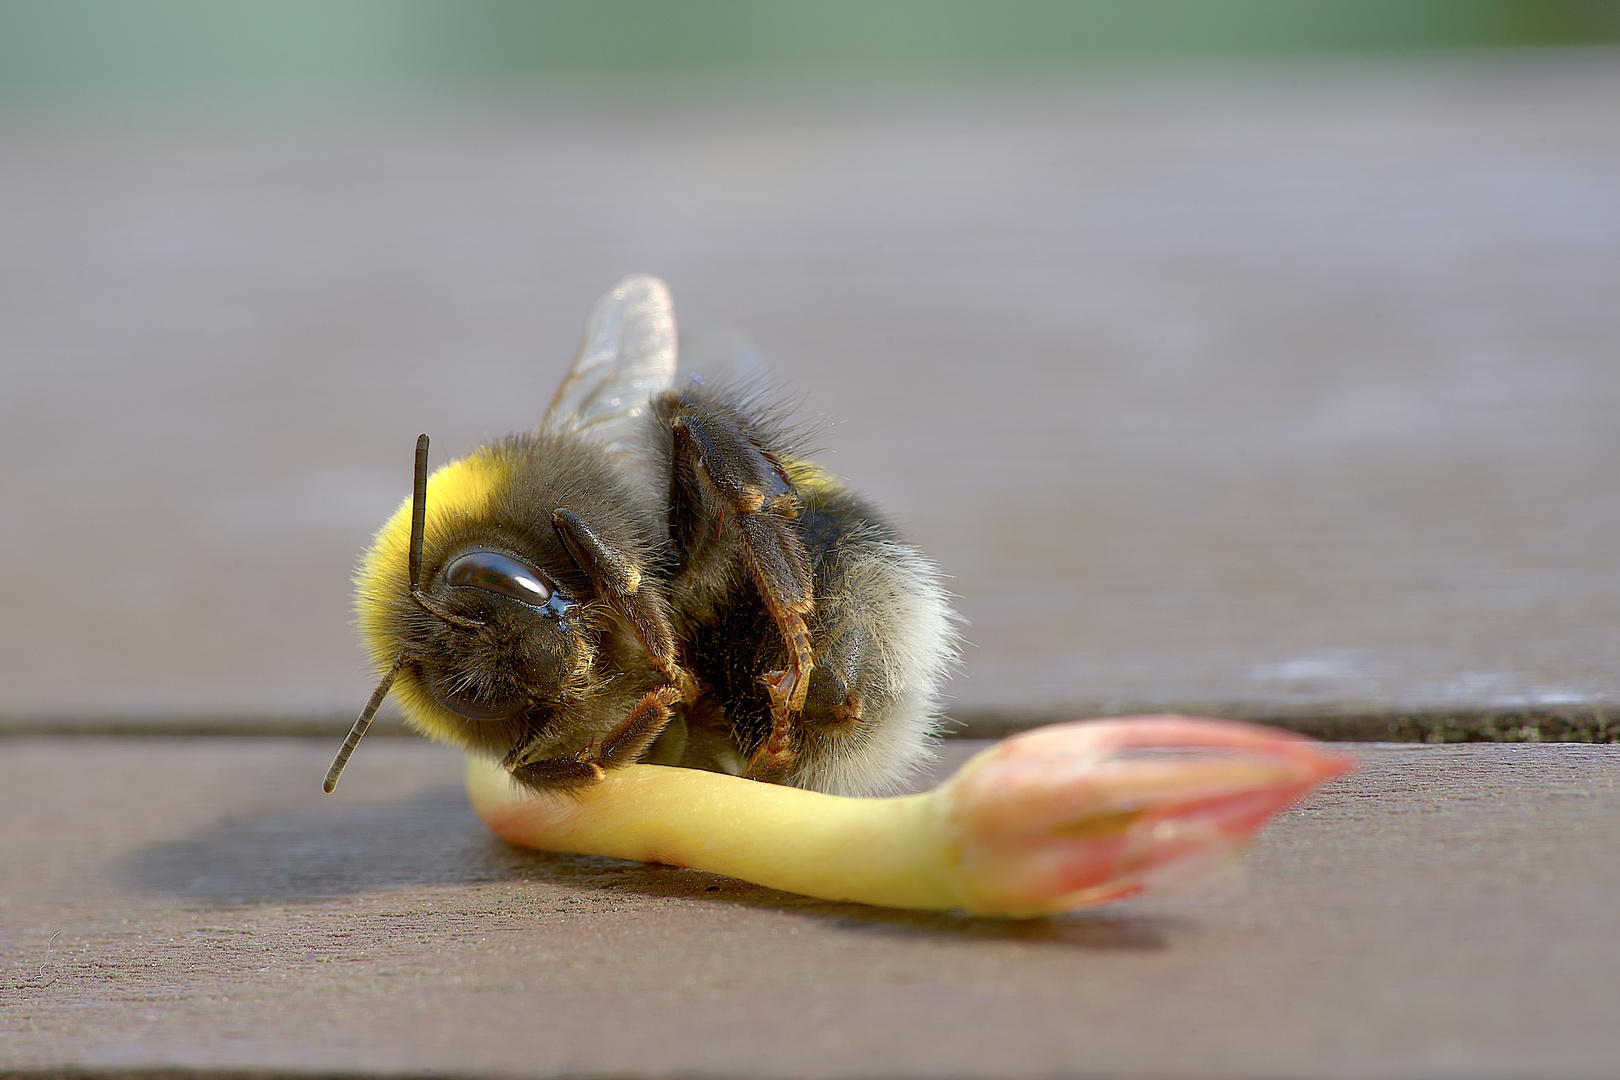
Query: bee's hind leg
point(832, 707)
point(622, 746)
point(727, 480)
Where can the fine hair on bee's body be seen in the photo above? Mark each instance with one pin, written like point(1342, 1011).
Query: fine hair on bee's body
point(655, 574)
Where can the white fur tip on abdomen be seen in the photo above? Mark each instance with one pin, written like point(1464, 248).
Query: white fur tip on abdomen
point(913, 643)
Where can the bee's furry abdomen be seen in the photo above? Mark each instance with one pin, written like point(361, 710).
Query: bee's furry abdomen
point(872, 585)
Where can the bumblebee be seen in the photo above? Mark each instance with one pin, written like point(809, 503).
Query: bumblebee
point(654, 574)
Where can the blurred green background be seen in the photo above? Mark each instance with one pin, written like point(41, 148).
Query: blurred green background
point(98, 51)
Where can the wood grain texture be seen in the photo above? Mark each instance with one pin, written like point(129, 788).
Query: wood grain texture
point(1441, 912)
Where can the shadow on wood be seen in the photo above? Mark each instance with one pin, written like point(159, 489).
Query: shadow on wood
point(432, 839)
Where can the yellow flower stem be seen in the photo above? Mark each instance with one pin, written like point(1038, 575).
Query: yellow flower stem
point(1057, 818)
point(876, 851)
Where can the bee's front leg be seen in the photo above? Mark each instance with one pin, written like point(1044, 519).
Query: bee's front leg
point(615, 568)
point(622, 746)
point(620, 583)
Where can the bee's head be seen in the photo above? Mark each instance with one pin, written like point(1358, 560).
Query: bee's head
point(479, 640)
point(494, 636)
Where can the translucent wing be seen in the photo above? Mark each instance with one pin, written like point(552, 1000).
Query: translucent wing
point(627, 356)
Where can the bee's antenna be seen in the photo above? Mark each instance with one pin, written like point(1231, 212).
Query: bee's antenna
point(418, 517)
point(418, 510)
point(361, 722)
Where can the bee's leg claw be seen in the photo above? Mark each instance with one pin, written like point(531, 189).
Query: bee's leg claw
point(622, 746)
point(775, 756)
point(783, 687)
point(772, 768)
point(793, 685)
point(773, 760)
point(830, 705)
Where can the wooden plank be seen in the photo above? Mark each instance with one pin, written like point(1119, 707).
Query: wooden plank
point(199, 903)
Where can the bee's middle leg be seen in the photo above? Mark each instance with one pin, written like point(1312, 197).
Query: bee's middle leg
point(832, 706)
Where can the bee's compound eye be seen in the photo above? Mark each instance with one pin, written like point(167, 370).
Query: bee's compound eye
point(497, 573)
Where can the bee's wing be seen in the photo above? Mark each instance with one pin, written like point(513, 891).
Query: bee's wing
point(627, 356)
